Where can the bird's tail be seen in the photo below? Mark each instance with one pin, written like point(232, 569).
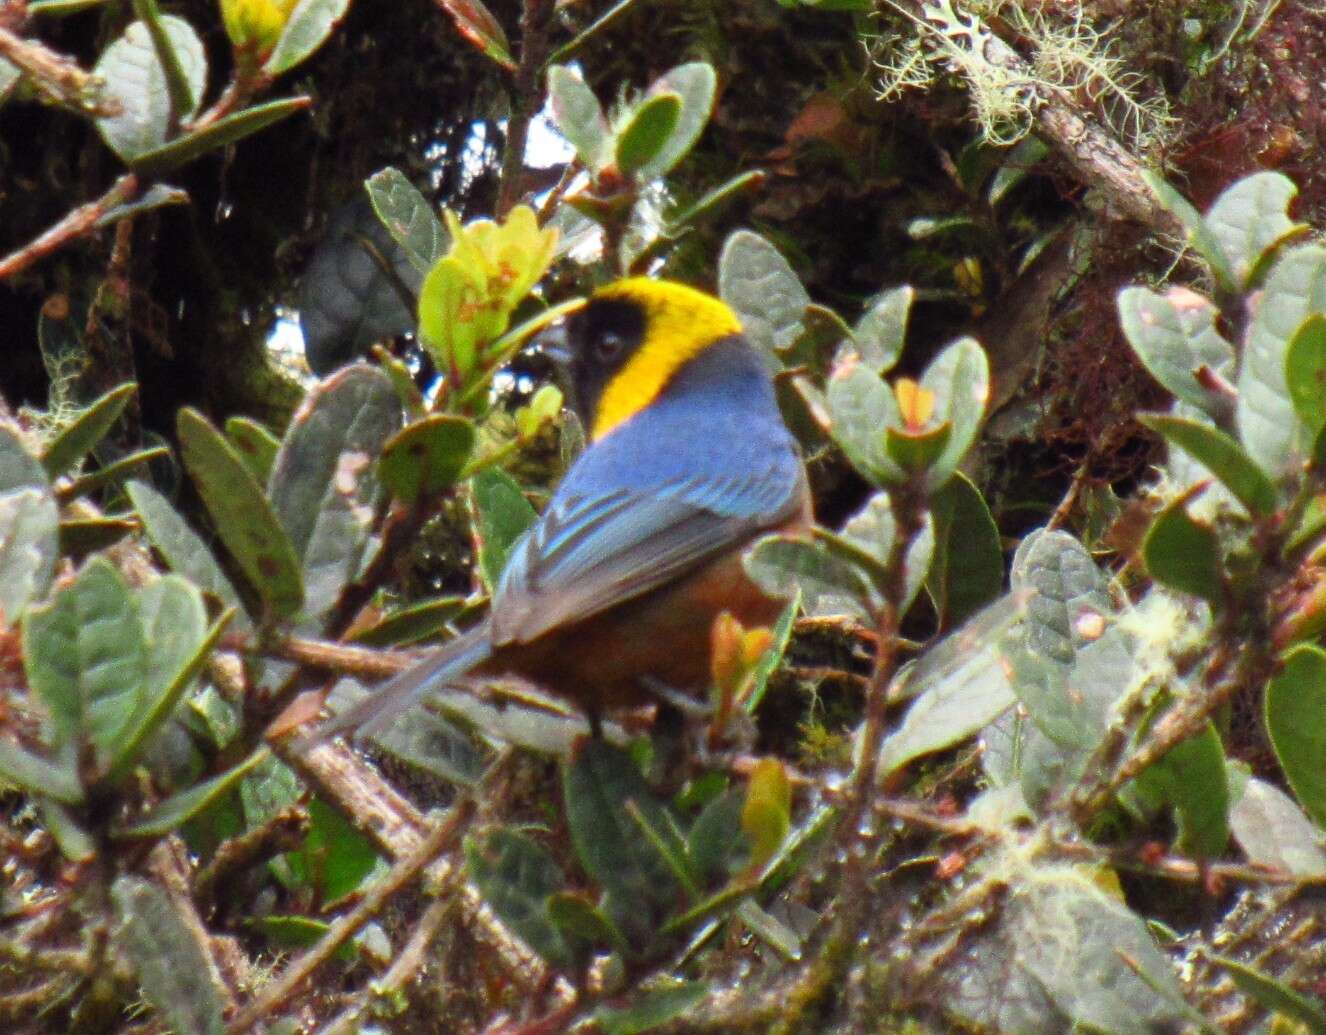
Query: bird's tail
point(384, 705)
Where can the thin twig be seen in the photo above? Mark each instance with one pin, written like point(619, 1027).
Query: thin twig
point(283, 832)
point(1177, 725)
point(402, 970)
point(434, 843)
point(329, 656)
point(356, 790)
point(57, 76)
point(78, 223)
point(168, 864)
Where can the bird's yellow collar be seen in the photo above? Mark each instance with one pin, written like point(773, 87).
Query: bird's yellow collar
point(680, 323)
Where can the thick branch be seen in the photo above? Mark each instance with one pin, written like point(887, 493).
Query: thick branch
point(526, 98)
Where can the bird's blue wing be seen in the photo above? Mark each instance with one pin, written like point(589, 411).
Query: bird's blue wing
point(590, 552)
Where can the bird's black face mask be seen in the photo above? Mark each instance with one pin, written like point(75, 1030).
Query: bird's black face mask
point(591, 347)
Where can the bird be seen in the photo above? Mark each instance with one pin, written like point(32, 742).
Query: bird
point(610, 596)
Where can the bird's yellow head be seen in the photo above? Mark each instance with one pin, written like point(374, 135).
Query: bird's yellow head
point(630, 339)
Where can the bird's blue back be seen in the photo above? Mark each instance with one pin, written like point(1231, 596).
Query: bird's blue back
point(727, 447)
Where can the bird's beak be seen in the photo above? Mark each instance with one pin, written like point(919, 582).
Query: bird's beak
point(553, 343)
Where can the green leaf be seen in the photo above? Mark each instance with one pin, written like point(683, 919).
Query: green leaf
point(29, 528)
point(656, 1006)
point(829, 584)
point(184, 96)
point(454, 321)
point(516, 876)
point(174, 971)
point(959, 377)
point(967, 571)
point(693, 84)
point(1265, 417)
point(181, 807)
point(1184, 554)
point(408, 217)
point(255, 444)
point(86, 658)
point(1305, 372)
point(1199, 233)
point(307, 28)
point(773, 657)
point(603, 787)
point(1295, 715)
point(477, 24)
point(712, 844)
point(1014, 168)
point(336, 858)
point(766, 815)
point(856, 410)
point(437, 746)
point(299, 932)
point(1273, 831)
point(426, 456)
point(324, 486)
point(501, 515)
point(711, 200)
point(1174, 335)
point(60, 8)
point(879, 334)
point(960, 685)
point(1191, 778)
point(870, 535)
point(81, 435)
point(412, 624)
point(1250, 217)
point(82, 536)
point(182, 548)
point(75, 843)
point(159, 195)
point(1275, 996)
point(244, 519)
point(646, 131)
point(227, 130)
point(1068, 660)
point(761, 287)
point(41, 776)
point(916, 452)
point(578, 116)
point(134, 77)
point(578, 920)
point(1062, 955)
point(111, 473)
point(178, 648)
point(1220, 455)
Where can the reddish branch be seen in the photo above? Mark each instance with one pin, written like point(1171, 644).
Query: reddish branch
point(78, 223)
point(56, 76)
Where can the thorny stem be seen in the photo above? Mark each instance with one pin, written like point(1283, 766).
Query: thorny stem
point(77, 223)
point(525, 99)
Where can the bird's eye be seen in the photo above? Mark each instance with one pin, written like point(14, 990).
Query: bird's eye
point(608, 346)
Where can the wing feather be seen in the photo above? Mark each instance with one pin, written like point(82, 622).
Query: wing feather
point(589, 553)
